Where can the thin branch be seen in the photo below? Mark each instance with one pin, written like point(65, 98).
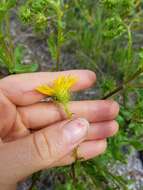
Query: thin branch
point(122, 86)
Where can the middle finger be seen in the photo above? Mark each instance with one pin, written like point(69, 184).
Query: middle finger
point(42, 114)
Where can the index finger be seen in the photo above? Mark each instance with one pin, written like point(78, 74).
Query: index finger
point(20, 89)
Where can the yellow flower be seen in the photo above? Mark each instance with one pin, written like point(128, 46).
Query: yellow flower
point(59, 90)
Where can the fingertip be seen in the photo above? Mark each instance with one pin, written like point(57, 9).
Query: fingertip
point(91, 77)
point(91, 149)
point(114, 108)
point(114, 128)
point(86, 79)
point(104, 145)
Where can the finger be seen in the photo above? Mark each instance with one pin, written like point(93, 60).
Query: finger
point(1, 142)
point(38, 151)
point(18, 130)
point(102, 130)
point(96, 131)
point(20, 89)
point(91, 149)
point(7, 115)
point(86, 150)
point(42, 114)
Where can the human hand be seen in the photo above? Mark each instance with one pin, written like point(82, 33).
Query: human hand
point(35, 135)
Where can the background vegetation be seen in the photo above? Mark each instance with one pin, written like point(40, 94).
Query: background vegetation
point(104, 36)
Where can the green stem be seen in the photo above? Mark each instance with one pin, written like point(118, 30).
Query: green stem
point(73, 174)
point(122, 86)
point(130, 43)
point(74, 153)
point(6, 42)
point(8, 32)
point(67, 111)
point(58, 58)
point(59, 36)
point(4, 46)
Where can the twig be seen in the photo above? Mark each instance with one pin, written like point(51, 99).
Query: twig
point(122, 86)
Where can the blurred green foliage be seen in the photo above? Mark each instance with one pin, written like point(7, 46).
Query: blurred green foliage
point(44, 15)
point(11, 55)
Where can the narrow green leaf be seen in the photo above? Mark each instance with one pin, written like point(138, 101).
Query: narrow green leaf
point(24, 68)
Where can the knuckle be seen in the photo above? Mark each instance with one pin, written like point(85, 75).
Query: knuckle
point(114, 108)
point(114, 127)
point(50, 145)
point(42, 146)
point(24, 116)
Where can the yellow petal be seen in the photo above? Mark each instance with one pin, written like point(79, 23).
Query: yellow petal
point(64, 82)
point(60, 86)
point(46, 90)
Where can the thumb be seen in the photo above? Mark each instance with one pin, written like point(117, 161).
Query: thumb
point(40, 150)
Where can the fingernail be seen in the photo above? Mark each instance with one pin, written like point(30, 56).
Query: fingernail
point(76, 130)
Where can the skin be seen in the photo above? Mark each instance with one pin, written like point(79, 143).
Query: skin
point(35, 135)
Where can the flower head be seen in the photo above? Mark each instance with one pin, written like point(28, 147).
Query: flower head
point(59, 90)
